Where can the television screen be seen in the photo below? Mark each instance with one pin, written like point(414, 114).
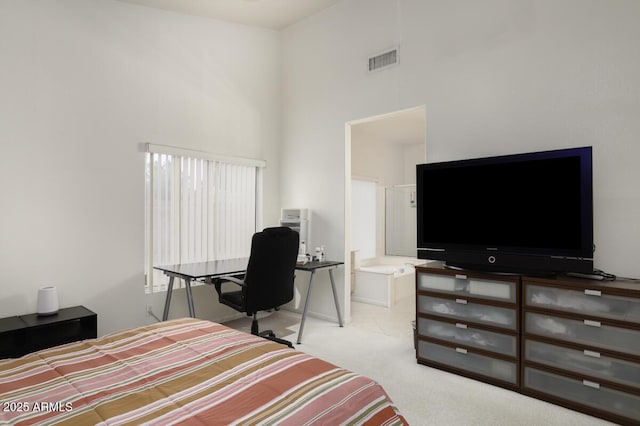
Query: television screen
point(514, 213)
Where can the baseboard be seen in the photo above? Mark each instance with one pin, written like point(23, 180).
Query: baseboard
point(317, 315)
point(369, 301)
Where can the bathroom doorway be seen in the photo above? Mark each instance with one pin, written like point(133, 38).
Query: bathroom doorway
point(383, 149)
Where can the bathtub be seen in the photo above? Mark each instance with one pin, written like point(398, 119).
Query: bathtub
point(383, 284)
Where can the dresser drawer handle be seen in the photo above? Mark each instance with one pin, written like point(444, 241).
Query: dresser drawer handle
point(461, 350)
point(591, 323)
point(593, 292)
point(591, 384)
point(461, 277)
point(460, 325)
point(461, 301)
point(593, 354)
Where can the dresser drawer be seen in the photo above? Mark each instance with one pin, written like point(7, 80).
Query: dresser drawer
point(461, 359)
point(590, 301)
point(592, 333)
point(585, 362)
point(461, 309)
point(583, 392)
point(469, 336)
point(463, 285)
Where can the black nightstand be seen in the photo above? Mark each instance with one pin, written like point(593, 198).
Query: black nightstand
point(23, 334)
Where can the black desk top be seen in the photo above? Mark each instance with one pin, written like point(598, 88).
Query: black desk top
point(315, 264)
point(214, 268)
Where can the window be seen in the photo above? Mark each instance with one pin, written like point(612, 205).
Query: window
point(198, 208)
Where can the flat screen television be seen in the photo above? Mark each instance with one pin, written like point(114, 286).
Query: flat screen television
point(525, 213)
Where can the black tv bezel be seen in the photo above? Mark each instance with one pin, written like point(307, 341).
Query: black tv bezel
point(516, 259)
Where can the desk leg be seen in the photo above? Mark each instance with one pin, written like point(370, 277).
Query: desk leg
point(304, 310)
point(192, 311)
point(167, 300)
point(335, 298)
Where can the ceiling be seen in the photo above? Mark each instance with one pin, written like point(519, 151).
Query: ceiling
point(272, 14)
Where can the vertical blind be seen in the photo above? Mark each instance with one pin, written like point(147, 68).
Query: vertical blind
point(197, 209)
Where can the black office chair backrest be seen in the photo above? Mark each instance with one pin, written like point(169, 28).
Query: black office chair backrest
point(271, 269)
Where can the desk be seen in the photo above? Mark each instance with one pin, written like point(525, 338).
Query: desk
point(219, 268)
point(202, 270)
point(312, 267)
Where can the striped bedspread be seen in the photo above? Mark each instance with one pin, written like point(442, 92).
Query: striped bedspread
point(186, 371)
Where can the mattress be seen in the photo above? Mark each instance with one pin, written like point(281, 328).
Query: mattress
point(186, 371)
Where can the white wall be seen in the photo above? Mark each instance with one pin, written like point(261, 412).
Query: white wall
point(364, 209)
point(414, 154)
point(83, 85)
point(380, 160)
point(497, 77)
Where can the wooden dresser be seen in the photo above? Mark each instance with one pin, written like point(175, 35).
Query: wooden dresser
point(581, 345)
point(469, 324)
point(572, 342)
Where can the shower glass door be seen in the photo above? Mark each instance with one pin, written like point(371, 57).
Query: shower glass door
point(400, 220)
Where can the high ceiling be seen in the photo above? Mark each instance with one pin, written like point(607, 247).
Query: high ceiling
point(273, 14)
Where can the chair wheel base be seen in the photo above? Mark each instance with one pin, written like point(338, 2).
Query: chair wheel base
point(267, 333)
point(273, 338)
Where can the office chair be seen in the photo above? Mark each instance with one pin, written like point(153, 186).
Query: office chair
point(268, 280)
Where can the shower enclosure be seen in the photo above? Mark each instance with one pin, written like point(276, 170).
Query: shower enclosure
point(400, 220)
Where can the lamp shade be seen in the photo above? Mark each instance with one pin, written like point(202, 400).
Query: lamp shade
point(47, 301)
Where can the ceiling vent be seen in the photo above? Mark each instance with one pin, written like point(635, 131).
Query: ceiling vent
point(383, 60)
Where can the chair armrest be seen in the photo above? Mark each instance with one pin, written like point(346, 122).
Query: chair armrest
point(217, 282)
point(232, 279)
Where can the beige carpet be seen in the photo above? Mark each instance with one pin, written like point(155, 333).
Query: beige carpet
point(378, 343)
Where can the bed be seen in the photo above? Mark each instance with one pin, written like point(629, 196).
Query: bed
point(186, 371)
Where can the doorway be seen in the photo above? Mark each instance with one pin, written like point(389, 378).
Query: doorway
point(382, 149)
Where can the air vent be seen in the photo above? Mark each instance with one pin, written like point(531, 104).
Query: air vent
point(383, 60)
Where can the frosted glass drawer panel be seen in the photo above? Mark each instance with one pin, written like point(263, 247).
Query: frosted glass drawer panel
point(467, 311)
point(585, 332)
point(468, 336)
point(498, 290)
point(461, 284)
point(449, 284)
point(590, 301)
point(584, 362)
point(459, 358)
point(583, 392)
